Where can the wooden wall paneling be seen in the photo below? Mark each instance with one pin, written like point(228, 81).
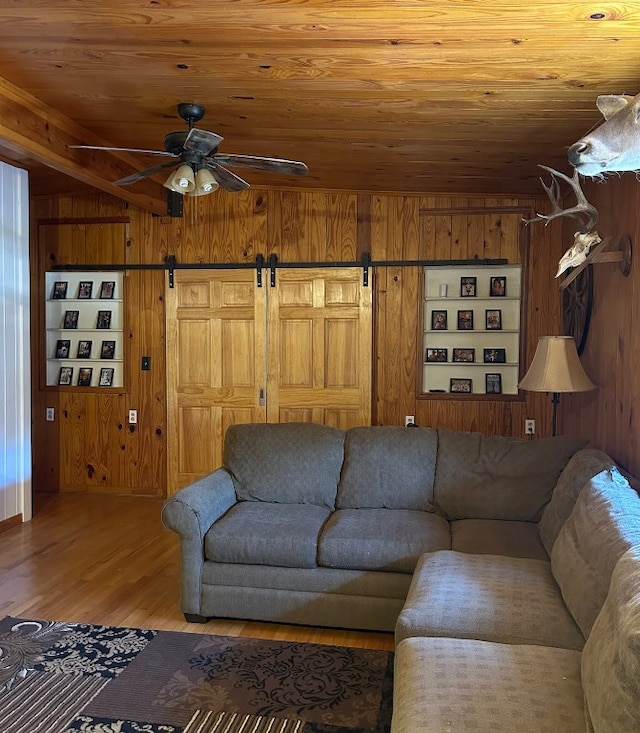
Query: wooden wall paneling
point(608, 416)
point(341, 237)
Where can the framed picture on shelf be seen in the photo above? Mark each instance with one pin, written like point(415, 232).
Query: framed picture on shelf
point(66, 375)
point(464, 356)
point(498, 286)
point(85, 288)
point(436, 355)
point(108, 350)
point(494, 356)
point(62, 348)
point(468, 287)
point(107, 289)
point(460, 386)
point(439, 320)
point(84, 376)
point(70, 319)
point(465, 320)
point(493, 383)
point(493, 318)
point(84, 349)
point(104, 319)
point(59, 291)
point(106, 377)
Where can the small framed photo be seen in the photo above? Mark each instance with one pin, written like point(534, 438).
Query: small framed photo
point(84, 349)
point(108, 350)
point(66, 375)
point(84, 376)
point(461, 386)
point(59, 291)
point(493, 318)
point(437, 355)
point(493, 383)
point(494, 356)
point(468, 287)
point(104, 319)
point(439, 320)
point(465, 320)
point(63, 347)
point(106, 377)
point(71, 319)
point(107, 289)
point(498, 286)
point(85, 288)
point(466, 356)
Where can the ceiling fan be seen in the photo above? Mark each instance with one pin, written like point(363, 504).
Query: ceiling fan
point(200, 168)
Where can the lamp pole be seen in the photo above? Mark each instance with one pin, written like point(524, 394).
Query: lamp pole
point(555, 400)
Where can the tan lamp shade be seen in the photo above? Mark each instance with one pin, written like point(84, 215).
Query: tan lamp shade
point(556, 367)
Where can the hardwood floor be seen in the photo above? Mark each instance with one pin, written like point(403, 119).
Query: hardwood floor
point(108, 560)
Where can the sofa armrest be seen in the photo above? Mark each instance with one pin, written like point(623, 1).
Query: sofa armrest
point(191, 512)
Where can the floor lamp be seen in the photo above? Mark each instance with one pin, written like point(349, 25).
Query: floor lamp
point(556, 368)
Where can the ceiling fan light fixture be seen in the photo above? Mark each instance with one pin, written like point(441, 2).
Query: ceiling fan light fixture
point(205, 183)
point(181, 180)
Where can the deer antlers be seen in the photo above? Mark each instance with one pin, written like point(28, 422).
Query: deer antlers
point(582, 209)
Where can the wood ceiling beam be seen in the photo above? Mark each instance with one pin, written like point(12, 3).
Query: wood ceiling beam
point(35, 131)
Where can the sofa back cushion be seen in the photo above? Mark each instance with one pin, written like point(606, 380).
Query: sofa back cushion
point(582, 466)
point(611, 656)
point(604, 524)
point(493, 477)
point(388, 468)
point(288, 463)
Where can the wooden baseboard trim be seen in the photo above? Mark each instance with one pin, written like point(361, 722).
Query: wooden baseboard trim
point(10, 522)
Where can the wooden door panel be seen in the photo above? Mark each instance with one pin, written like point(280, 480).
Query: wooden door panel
point(215, 365)
point(320, 348)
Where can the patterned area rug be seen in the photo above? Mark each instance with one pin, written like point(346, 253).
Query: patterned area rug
point(71, 678)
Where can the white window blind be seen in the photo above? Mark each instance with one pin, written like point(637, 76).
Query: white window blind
point(15, 372)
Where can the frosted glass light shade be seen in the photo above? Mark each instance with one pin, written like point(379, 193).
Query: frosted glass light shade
point(181, 180)
point(205, 183)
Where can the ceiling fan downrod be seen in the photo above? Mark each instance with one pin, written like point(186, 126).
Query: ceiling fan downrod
point(191, 112)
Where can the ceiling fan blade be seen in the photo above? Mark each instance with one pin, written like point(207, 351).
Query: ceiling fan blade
point(225, 178)
point(274, 165)
point(201, 141)
point(134, 177)
point(123, 150)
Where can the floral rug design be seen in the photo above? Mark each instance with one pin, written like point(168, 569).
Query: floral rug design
point(82, 678)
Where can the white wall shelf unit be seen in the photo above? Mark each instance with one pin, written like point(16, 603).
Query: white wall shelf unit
point(472, 321)
point(84, 329)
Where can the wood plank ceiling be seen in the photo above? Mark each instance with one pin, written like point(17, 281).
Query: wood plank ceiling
point(439, 96)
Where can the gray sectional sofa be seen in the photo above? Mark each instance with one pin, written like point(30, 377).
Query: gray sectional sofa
point(314, 525)
point(509, 569)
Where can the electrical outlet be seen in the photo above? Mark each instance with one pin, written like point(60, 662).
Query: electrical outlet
point(51, 414)
point(529, 427)
point(409, 420)
point(133, 417)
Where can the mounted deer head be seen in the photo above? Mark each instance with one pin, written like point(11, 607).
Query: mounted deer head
point(583, 211)
point(614, 146)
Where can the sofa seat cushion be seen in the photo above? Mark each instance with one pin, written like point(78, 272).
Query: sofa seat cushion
point(444, 685)
point(582, 466)
point(604, 524)
point(493, 477)
point(289, 463)
point(497, 537)
point(381, 539)
point(388, 467)
point(611, 657)
point(511, 600)
point(261, 533)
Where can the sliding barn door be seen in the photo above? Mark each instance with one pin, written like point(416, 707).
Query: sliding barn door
point(215, 365)
point(237, 353)
point(320, 342)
